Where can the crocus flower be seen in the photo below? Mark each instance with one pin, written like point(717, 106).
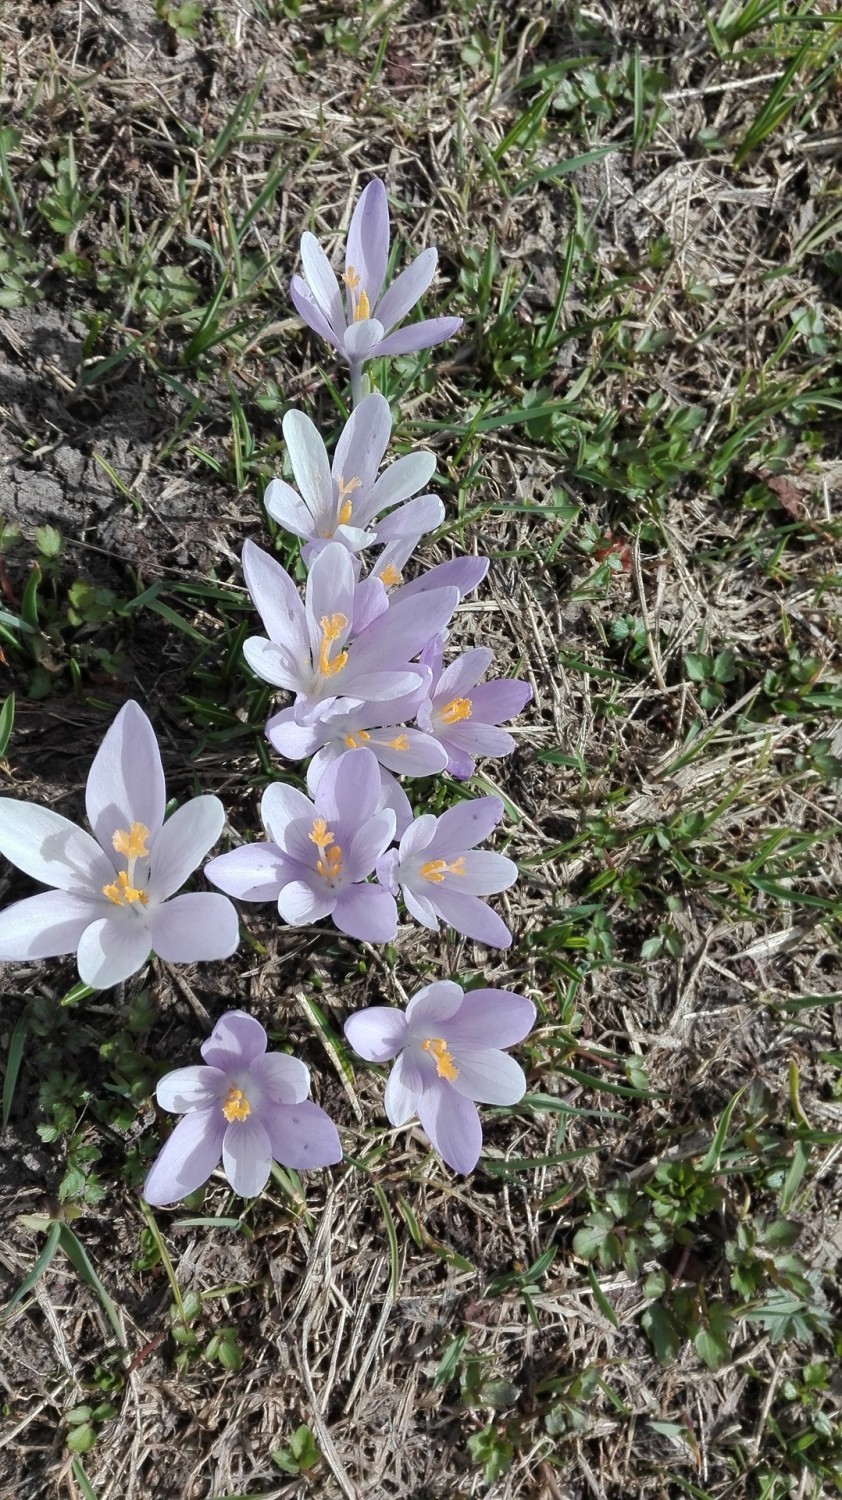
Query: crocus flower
point(319, 853)
point(358, 324)
point(462, 716)
point(448, 1051)
point(441, 874)
point(316, 649)
point(112, 899)
point(341, 501)
point(245, 1105)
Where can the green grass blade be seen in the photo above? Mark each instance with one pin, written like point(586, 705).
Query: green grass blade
point(80, 1260)
point(40, 1266)
point(7, 721)
point(13, 1063)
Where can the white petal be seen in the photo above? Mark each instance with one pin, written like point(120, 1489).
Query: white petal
point(112, 949)
point(182, 844)
point(247, 1156)
point(45, 926)
point(126, 779)
point(489, 1076)
point(196, 1087)
point(311, 467)
point(194, 928)
point(52, 849)
point(403, 1090)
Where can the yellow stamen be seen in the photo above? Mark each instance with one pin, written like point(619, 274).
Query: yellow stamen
point(332, 627)
point(445, 1066)
point(330, 868)
point(400, 742)
point(236, 1106)
point(436, 869)
point(389, 576)
point(124, 894)
point(351, 279)
point(356, 739)
point(132, 844)
point(456, 710)
point(362, 309)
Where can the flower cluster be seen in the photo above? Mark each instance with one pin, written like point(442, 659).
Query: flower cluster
point(362, 656)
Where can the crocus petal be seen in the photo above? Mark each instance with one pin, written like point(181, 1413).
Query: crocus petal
point(412, 520)
point(350, 789)
point(368, 239)
point(432, 1006)
point(409, 752)
point(369, 842)
point(452, 1123)
point(361, 338)
point(276, 600)
point(254, 872)
point(469, 915)
point(308, 308)
point(45, 926)
point(464, 673)
point(321, 279)
point(290, 739)
point(481, 873)
point(464, 825)
point(502, 699)
point(403, 1090)
point(378, 1033)
point(194, 928)
point(420, 908)
point(274, 664)
point(182, 844)
point(111, 949)
point(287, 508)
point(331, 584)
point(126, 779)
point(281, 805)
point(302, 1135)
point(419, 835)
point(490, 1018)
point(360, 449)
point(489, 1077)
point(52, 849)
point(300, 904)
point(283, 1080)
point(418, 336)
point(403, 478)
point(187, 1158)
point(462, 573)
point(247, 1156)
point(405, 629)
point(184, 1089)
point(392, 795)
point(407, 288)
point(310, 465)
point(236, 1041)
point(368, 913)
point(471, 738)
point(459, 763)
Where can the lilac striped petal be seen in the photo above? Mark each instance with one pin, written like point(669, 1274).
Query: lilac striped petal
point(377, 1033)
point(331, 584)
point(254, 872)
point(408, 752)
point(311, 467)
point(283, 1080)
point(503, 699)
point(361, 339)
point(247, 1156)
point(403, 1090)
point(471, 739)
point(482, 873)
point(52, 849)
point(431, 657)
point(276, 600)
point(302, 1136)
point(432, 1006)
point(301, 904)
point(418, 836)
point(274, 664)
point(407, 288)
point(469, 915)
point(287, 508)
point(452, 1123)
point(367, 249)
point(370, 601)
point(489, 1077)
point(359, 451)
point(321, 279)
point(406, 628)
point(412, 520)
point(418, 336)
point(401, 479)
point(194, 928)
point(368, 913)
point(350, 789)
point(459, 764)
point(182, 844)
point(197, 1087)
point(111, 949)
point(393, 795)
point(236, 1041)
point(464, 673)
point(490, 1018)
point(464, 825)
point(188, 1157)
point(369, 842)
point(126, 779)
point(307, 308)
point(281, 805)
point(462, 573)
point(45, 926)
point(290, 739)
point(420, 907)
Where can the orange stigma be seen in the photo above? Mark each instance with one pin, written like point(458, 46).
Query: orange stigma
point(445, 1066)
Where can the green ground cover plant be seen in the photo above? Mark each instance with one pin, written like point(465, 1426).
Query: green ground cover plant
point(636, 1293)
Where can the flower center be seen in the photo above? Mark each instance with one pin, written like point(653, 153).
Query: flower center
point(400, 742)
point(389, 577)
point(359, 303)
point(329, 865)
point(454, 711)
point(133, 845)
point(346, 489)
point(331, 627)
point(436, 869)
point(236, 1106)
point(445, 1066)
point(356, 738)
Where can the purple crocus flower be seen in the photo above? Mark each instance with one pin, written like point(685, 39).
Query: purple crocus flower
point(341, 501)
point(320, 853)
point(462, 716)
point(441, 874)
point(245, 1105)
point(448, 1050)
point(114, 900)
point(358, 325)
point(319, 649)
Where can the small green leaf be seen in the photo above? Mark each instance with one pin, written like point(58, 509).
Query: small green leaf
point(7, 720)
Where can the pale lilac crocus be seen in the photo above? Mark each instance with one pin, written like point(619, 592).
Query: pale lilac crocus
point(316, 648)
point(463, 714)
point(341, 500)
point(320, 853)
point(114, 900)
point(448, 1049)
point(442, 875)
point(245, 1106)
point(358, 318)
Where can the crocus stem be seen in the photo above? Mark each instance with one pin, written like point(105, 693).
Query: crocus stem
point(359, 384)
